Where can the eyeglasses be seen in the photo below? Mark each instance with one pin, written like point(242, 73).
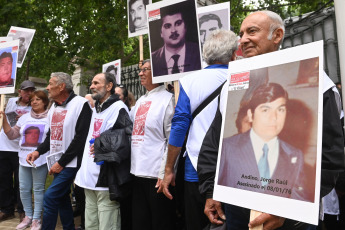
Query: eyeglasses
point(144, 69)
point(120, 85)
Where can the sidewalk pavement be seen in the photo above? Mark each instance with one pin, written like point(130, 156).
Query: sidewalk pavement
point(12, 223)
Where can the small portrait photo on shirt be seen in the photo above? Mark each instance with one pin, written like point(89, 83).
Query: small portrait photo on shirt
point(8, 66)
point(174, 39)
point(32, 135)
point(270, 146)
point(211, 18)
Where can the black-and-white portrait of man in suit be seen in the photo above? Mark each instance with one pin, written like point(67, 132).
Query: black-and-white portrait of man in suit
point(174, 40)
point(137, 19)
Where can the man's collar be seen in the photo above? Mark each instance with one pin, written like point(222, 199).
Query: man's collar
point(169, 54)
point(20, 99)
point(69, 98)
point(255, 136)
point(154, 90)
point(217, 66)
point(109, 101)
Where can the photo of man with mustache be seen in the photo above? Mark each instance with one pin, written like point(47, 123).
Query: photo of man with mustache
point(178, 54)
point(137, 15)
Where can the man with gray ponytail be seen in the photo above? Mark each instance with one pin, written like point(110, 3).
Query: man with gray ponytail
point(69, 121)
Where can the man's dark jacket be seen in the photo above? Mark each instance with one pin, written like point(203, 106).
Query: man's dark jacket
point(114, 148)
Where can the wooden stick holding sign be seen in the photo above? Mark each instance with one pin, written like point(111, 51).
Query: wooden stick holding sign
point(253, 215)
point(2, 105)
point(176, 90)
point(141, 48)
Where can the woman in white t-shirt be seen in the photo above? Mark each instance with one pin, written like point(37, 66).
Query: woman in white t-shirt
point(31, 128)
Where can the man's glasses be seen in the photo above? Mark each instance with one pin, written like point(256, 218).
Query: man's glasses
point(144, 69)
point(120, 85)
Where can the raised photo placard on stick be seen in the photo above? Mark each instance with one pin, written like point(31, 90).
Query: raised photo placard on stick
point(8, 66)
point(25, 37)
point(113, 67)
point(174, 39)
point(211, 18)
point(137, 19)
point(270, 147)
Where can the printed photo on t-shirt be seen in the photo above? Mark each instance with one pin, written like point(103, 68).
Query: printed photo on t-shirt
point(140, 118)
point(21, 111)
point(97, 127)
point(57, 124)
point(32, 135)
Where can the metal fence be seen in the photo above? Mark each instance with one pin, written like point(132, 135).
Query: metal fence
point(130, 79)
point(315, 26)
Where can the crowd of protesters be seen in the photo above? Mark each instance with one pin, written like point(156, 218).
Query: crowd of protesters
point(124, 158)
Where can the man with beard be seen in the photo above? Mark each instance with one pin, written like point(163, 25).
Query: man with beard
point(6, 60)
point(137, 15)
point(101, 212)
point(69, 122)
point(176, 55)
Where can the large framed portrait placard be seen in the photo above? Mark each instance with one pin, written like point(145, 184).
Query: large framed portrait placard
point(270, 148)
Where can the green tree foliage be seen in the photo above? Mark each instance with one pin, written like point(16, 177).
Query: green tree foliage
point(90, 33)
point(239, 9)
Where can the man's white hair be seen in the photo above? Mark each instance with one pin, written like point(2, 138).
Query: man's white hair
point(277, 22)
point(219, 47)
point(63, 78)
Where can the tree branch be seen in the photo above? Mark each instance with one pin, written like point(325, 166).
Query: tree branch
point(136, 49)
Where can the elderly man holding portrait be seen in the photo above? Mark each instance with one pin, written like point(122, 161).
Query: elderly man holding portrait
point(102, 206)
point(263, 32)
